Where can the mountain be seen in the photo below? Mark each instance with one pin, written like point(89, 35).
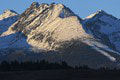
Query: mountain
point(104, 27)
point(7, 19)
point(53, 32)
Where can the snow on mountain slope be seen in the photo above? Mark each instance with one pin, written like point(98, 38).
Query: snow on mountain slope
point(7, 19)
point(54, 27)
point(104, 27)
point(98, 46)
point(15, 40)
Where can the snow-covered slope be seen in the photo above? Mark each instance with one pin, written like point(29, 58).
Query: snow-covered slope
point(7, 19)
point(9, 40)
point(104, 27)
point(57, 34)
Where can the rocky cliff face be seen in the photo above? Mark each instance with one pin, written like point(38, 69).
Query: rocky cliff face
point(57, 34)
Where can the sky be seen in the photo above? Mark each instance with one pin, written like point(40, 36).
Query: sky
point(82, 8)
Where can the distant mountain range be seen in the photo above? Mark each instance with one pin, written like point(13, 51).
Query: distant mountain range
point(53, 32)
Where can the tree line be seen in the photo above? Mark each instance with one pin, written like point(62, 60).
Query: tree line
point(41, 65)
point(29, 66)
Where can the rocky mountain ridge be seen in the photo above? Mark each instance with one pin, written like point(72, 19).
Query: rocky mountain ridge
point(104, 27)
point(7, 19)
point(58, 34)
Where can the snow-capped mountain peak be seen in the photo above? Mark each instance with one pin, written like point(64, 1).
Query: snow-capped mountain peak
point(42, 14)
point(105, 27)
point(7, 19)
point(99, 14)
point(94, 14)
point(8, 13)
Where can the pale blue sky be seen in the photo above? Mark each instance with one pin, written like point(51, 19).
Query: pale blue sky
point(81, 7)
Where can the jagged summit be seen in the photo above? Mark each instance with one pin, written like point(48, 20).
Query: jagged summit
point(8, 13)
point(94, 14)
point(99, 14)
point(46, 13)
point(38, 8)
point(34, 5)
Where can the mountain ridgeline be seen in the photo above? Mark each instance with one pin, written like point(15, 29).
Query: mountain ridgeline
point(54, 33)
